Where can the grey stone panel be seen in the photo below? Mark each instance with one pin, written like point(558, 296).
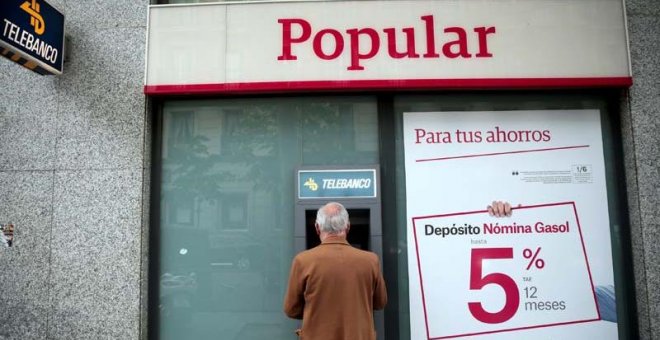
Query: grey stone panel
point(96, 255)
point(22, 319)
point(28, 143)
point(148, 133)
point(644, 44)
point(645, 107)
point(146, 226)
point(651, 223)
point(106, 14)
point(26, 201)
point(27, 119)
point(101, 108)
point(643, 7)
point(144, 270)
point(22, 89)
point(636, 231)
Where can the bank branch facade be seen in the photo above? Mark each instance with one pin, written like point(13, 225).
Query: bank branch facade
point(415, 115)
point(246, 116)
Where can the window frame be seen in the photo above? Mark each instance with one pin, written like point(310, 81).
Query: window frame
point(388, 154)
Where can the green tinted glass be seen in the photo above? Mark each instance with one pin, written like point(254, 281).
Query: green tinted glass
point(226, 224)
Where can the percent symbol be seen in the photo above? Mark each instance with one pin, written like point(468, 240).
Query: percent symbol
point(537, 262)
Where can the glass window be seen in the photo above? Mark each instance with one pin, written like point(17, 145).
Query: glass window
point(227, 191)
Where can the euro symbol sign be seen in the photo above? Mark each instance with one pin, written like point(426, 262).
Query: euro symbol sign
point(35, 18)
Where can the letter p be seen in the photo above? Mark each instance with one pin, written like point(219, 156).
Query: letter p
point(356, 56)
point(288, 40)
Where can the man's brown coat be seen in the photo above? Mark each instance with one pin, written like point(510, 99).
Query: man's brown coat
point(334, 289)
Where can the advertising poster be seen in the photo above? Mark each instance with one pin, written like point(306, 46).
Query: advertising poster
point(543, 273)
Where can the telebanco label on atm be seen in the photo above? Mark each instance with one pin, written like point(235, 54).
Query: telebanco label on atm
point(336, 184)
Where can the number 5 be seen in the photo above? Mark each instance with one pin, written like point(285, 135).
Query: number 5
point(477, 282)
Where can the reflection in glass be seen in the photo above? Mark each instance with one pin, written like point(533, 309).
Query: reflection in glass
point(226, 220)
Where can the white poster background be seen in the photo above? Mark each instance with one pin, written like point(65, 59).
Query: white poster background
point(446, 178)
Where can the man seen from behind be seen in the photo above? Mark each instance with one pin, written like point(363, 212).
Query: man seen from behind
point(334, 288)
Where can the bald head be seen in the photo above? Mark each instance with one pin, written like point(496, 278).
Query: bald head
point(332, 218)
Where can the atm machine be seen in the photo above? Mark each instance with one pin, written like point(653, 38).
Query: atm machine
point(358, 189)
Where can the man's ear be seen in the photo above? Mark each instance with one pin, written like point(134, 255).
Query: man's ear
point(348, 228)
point(318, 231)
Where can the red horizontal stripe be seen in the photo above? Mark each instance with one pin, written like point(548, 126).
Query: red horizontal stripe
point(502, 153)
point(405, 84)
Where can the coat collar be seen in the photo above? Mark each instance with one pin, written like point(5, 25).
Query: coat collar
point(334, 240)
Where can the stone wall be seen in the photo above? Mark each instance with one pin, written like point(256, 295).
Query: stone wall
point(71, 179)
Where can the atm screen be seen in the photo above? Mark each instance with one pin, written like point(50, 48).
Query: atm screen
point(358, 236)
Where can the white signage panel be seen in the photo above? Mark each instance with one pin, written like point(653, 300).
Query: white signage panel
point(546, 271)
point(423, 43)
point(184, 41)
